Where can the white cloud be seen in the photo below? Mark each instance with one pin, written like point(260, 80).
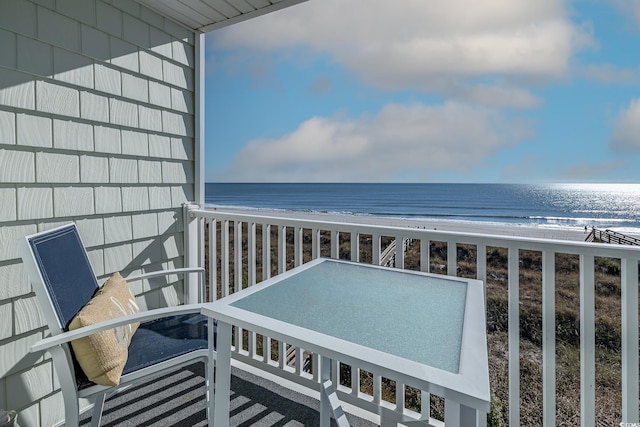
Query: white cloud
point(419, 44)
point(630, 8)
point(626, 128)
point(400, 143)
point(498, 96)
point(587, 172)
point(610, 73)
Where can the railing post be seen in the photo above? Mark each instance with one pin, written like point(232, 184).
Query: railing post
point(514, 336)
point(548, 338)
point(630, 372)
point(481, 265)
point(192, 251)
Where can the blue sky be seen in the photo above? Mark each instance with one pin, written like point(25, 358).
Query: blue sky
point(423, 91)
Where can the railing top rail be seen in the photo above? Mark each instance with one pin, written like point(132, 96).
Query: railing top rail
point(526, 243)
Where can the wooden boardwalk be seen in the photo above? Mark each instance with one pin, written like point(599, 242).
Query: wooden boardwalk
point(610, 236)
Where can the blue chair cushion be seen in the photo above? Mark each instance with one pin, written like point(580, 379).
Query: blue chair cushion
point(160, 340)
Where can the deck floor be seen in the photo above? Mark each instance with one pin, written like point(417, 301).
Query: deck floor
point(179, 400)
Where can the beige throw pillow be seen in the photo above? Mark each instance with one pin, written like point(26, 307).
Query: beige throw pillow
point(102, 356)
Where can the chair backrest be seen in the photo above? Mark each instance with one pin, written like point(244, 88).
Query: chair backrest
point(60, 273)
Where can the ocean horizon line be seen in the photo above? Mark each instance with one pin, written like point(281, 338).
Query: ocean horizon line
point(550, 206)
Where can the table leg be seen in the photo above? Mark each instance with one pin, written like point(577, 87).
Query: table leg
point(222, 389)
point(210, 371)
point(456, 414)
point(329, 402)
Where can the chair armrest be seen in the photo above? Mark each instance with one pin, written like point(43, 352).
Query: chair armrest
point(143, 316)
point(153, 274)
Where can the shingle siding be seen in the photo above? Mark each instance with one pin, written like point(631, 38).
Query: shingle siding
point(57, 99)
point(35, 203)
point(96, 127)
point(8, 205)
point(7, 128)
point(17, 89)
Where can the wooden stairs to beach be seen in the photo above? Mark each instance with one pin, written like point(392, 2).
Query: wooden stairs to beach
point(388, 256)
point(610, 236)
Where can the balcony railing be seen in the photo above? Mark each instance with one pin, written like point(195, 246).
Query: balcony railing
point(243, 249)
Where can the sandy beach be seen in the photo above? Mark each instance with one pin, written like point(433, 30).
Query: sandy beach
point(561, 233)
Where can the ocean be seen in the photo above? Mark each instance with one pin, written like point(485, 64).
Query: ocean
point(605, 206)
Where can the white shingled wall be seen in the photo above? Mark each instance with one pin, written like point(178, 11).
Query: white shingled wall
point(96, 127)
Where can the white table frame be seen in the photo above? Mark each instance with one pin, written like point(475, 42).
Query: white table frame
point(466, 392)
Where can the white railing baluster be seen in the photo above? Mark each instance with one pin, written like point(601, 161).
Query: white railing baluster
point(282, 249)
point(251, 253)
point(630, 377)
point(282, 355)
point(213, 262)
point(452, 258)
point(587, 341)
point(375, 249)
point(266, 349)
point(315, 243)
point(377, 388)
point(238, 339)
point(335, 244)
point(252, 344)
point(399, 252)
point(297, 246)
point(315, 363)
point(481, 274)
point(335, 373)
point(424, 255)
point(548, 338)
point(425, 404)
point(400, 392)
point(355, 381)
point(355, 247)
point(201, 257)
point(224, 255)
point(481, 265)
point(299, 361)
point(266, 251)
point(514, 336)
point(237, 255)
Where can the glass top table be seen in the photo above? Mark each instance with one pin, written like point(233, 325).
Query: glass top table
point(430, 328)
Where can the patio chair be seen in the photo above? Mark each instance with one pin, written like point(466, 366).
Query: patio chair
point(167, 339)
